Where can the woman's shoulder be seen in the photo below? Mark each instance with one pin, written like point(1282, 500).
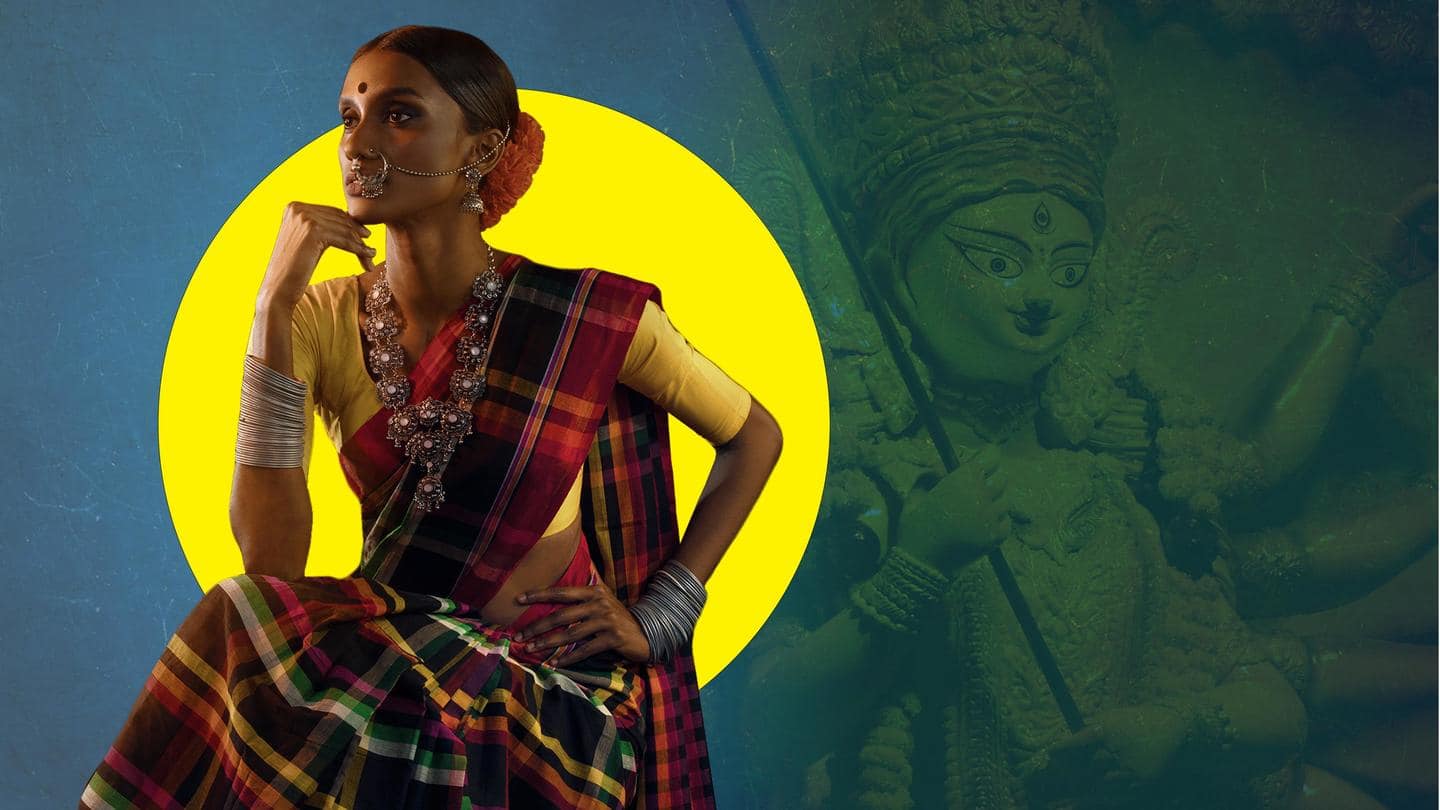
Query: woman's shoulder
point(621, 279)
point(621, 294)
point(332, 290)
point(629, 293)
point(326, 302)
point(599, 274)
point(325, 331)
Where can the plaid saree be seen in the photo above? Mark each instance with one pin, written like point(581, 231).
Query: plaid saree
point(385, 689)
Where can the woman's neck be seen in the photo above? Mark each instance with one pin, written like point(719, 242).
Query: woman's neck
point(430, 265)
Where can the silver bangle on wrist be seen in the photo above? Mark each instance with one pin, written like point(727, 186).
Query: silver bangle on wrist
point(272, 417)
point(669, 608)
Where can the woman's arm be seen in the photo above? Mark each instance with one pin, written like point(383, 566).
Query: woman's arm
point(742, 466)
point(663, 365)
point(270, 506)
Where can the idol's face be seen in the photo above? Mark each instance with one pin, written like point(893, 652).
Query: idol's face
point(999, 286)
point(391, 104)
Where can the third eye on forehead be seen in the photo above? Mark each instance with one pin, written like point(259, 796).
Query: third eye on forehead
point(1011, 239)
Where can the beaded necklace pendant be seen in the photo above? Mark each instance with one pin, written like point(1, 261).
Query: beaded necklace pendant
point(429, 431)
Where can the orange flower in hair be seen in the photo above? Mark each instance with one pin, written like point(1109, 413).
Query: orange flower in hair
point(513, 172)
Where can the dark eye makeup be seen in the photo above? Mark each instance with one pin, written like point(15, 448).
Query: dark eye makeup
point(346, 118)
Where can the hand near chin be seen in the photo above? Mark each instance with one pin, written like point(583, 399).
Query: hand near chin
point(307, 230)
point(593, 613)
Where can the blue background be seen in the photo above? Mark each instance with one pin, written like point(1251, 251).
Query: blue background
point(131, 133)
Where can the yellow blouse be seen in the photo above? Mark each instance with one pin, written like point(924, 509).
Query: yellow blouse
point(660, 364)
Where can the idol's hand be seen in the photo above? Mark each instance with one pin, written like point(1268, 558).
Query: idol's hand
point(594, 613)
point(1124, 429)
point(959, 519)
point(1408, 249)
point(1121, 753)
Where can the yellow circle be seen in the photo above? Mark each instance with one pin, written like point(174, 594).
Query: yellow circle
point(611, 193)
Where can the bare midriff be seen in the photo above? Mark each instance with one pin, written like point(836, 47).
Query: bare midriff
point(541, 566)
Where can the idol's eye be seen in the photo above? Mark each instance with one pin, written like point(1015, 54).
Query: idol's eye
point(988, 260)
point(1069, 275)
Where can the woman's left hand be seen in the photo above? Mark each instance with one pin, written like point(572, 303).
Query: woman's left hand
point(594, 613)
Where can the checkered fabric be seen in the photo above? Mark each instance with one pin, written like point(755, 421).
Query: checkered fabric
point(385, 689)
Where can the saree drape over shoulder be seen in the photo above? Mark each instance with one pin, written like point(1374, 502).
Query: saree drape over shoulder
point(385, 689)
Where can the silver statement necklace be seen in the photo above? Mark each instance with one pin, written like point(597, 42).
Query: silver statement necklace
point(429, 431)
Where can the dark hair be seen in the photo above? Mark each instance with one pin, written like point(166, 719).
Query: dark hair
point(464, 66)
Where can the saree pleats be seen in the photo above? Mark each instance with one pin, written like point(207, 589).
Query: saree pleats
point(327, 692)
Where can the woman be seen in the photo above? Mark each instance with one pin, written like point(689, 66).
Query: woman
point(517, 633)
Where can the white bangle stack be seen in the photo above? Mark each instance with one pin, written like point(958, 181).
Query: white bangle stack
point(272, 417)
point(669, 608)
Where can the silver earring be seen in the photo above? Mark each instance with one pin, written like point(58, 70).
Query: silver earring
point(471, 203)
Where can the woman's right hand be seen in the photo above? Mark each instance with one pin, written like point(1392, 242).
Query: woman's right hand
point(962, 517)
point(305, 232)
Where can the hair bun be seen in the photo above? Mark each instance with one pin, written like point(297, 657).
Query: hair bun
point(513, 173)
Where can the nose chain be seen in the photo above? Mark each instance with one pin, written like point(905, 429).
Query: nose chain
point(372, 186)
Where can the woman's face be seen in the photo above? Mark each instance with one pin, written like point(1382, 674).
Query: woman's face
point(997, 288)
point(391, 103)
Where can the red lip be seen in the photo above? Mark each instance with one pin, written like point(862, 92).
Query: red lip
point(352, 188)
